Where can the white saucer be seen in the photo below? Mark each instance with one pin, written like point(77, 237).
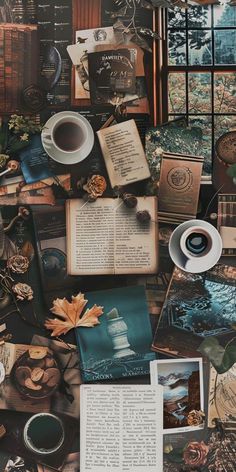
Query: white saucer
point(61, 156)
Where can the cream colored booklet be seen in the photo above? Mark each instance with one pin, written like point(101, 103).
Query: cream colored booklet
point(123, 153)
point(105, 237)
point(121, 428)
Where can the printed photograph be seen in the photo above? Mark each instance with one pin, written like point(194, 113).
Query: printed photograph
point(182, 383)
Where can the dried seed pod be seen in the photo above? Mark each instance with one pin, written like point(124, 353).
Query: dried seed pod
point(129, 200)
point(22, 373)
point(2, 431)
point(37, 352)
point(31, 385)
point(143, 216)
point(54, 377)
point(37, 374)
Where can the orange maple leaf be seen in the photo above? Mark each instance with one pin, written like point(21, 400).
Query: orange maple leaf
point(68, 315)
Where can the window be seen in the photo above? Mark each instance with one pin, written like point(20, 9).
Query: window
point(200, 70)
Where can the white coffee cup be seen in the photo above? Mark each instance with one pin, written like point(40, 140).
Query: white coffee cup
point(68, 137)
point(195, 246)
point(37, 423)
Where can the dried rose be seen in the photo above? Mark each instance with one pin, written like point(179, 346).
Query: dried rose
point(195, 418)
point(23, 291)
point(69, 315)
point(195, 453)
point(18, 264)
point(95, 186)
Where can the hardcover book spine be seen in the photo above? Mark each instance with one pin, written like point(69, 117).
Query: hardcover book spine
point(20, 68)
point(8, 69)
point(15, 64)
point(2, 67)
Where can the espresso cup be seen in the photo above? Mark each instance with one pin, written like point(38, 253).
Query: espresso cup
point(195, 242)
point(43, 433)
point(195, 246)
point(68, 137)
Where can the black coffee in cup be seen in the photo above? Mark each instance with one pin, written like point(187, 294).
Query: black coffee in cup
point(197, 243)
point(44, 433)
point(68, 136)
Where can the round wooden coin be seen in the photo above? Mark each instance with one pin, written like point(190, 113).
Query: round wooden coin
point(226, 148)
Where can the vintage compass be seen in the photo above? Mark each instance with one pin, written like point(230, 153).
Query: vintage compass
point(226, 148)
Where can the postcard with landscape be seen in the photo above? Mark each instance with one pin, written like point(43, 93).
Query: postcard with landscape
point(182, 382)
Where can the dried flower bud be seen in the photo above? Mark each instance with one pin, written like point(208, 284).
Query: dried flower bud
point(129, 200)
point(18, 264)
point(143, 216)
point(23, 291)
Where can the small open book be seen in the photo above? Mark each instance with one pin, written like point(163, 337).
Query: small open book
point(105, 237)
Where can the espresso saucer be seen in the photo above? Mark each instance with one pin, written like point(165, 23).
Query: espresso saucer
point(61, 156)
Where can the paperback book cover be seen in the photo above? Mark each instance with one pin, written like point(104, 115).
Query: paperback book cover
point(121, 345)
point(197, 307)
point(112, 71)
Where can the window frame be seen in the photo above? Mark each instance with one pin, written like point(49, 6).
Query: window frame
point(165, 69)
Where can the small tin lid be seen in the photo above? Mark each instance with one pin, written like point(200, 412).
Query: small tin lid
point(226, 148)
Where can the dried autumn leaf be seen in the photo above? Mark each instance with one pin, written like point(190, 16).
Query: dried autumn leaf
point(69, 315)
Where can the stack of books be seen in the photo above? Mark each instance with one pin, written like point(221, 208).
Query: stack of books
point(18, 63)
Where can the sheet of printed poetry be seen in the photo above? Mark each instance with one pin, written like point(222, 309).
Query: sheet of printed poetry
point(121, 428)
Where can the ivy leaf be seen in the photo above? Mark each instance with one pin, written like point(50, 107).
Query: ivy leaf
point(141, 42)
point(231, 171)
point(176, 455)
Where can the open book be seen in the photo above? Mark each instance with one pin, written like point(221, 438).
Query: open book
point(105, 237)
point(121, 428)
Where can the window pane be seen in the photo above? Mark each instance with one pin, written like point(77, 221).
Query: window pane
point(176, 18)
point(205, 123)
point(224, 15)
point(223, 124)
point(225, 92)
point(200, 50)
point(177, 48)
point(176, 93)
point(199, 92)
point(199, 16)
point(225, 47)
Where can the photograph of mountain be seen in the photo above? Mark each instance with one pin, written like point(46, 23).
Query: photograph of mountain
point(182, 390)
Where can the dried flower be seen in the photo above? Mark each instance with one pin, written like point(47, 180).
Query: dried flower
point(3, 160)
point(23, 291)
point(24, 137)
point(18, 264)
point(143, 216)
point(195, 453)
point(195, 418)
point(95, 186)
point(129, 200)
point(23, 124)
point(69, 315)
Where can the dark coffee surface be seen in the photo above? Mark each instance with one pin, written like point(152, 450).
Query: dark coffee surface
point(45, 432)
point(197, 243)
point(68, 136)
